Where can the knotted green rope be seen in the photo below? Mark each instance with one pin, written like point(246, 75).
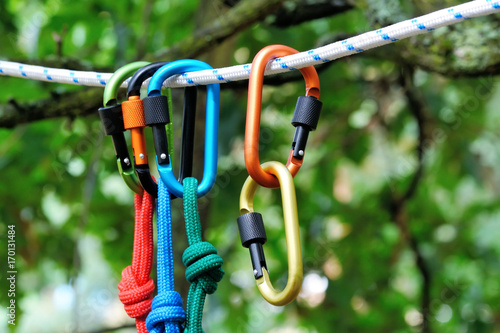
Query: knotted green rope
point(203, 264)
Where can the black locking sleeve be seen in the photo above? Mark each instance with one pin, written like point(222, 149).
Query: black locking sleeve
point(253, 236)
point(156, 116)
point(112, 121)
point(305, 119)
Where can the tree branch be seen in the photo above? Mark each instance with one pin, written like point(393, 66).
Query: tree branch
point(398, 204)
point(74, 104)
point(298, 11)
point(146, 16)
point(87, 101)
point(443, 54)
point(64, 62)
point(463, 50)
point(239, 17)
point(417, 107)
point(430, 52)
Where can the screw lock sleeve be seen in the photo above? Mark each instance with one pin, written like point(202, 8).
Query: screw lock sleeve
point(156, 110)
point(253, 235)
point(112, 119)
point(305, 119)
point(251, 227)
point(156, 116)
point(307, 112)
point(133, 114)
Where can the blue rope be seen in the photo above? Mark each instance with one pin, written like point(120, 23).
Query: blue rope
point(167, 314)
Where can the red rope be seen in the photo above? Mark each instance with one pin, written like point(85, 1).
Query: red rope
point(137, 286)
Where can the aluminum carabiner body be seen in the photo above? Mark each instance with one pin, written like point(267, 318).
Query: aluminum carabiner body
point(112, 120)
point(305, 117)
point(211, 127)
point(135, 121)
point(253, 235)
point(158, 111)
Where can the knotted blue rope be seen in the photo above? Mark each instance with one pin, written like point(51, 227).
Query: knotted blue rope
point(167, 314)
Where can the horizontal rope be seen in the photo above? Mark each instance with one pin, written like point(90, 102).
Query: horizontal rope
point(317, 56)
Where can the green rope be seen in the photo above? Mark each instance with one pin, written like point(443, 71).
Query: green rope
point(203, 264)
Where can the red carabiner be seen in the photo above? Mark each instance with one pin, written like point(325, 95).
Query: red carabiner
point(305, 122)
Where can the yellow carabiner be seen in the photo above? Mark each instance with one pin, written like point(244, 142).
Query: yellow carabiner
point(253, 235)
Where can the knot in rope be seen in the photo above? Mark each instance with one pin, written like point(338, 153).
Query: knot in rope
point(166, 310)
point(135, 297)
point(203, 266)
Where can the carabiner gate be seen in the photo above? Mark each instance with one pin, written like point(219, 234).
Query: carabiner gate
point(253, 235)
point(211, 127)
point(112, 120)
point(305, 117)
point(157, 112)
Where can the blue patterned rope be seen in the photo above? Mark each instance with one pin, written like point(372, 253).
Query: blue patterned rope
point(167, 314)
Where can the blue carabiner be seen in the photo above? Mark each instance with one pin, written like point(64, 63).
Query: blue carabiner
point(211, 126)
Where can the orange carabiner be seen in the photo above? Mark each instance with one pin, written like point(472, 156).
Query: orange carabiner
point(305, 117)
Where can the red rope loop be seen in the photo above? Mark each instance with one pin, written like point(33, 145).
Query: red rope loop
point(137, 286)
point(136, 297)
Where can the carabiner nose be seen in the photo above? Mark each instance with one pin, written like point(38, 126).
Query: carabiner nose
point(305, 117)
point(253, 235)
point(112, 120)
point(211, 127)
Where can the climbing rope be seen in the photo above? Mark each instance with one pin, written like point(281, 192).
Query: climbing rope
point(136, 287)
point(330, 52)
point(203, 264)
point(167, 314)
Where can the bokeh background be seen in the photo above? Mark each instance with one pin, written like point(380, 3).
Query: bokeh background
point(398, 197)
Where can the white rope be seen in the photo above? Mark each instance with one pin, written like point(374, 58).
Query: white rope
point(320, 55)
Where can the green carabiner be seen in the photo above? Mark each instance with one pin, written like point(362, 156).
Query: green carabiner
point(112, 120)
point(253, 235)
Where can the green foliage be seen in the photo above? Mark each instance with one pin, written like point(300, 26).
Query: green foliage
point(74, 215)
